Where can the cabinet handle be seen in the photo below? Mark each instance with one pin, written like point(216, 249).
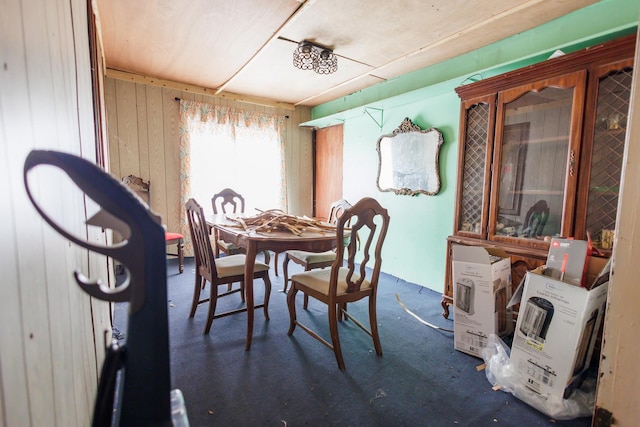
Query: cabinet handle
point(572, 162)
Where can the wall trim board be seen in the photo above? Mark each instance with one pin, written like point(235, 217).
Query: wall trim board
point(185, 87)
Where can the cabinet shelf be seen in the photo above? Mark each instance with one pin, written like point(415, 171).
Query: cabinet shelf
point(561, 138)
point(538, 192)
point(611, 132)
point(605, 191)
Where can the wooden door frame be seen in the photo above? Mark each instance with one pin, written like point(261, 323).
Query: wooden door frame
point(332, 133)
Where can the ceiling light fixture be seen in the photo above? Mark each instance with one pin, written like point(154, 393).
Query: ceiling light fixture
point(310, 56)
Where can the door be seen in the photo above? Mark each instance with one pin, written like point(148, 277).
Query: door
point(328, 169)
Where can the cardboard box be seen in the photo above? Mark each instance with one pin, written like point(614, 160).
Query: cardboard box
point(556, 330)
point(567, 260)
point(481, 291)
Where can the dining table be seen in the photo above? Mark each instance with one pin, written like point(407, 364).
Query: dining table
point(255, 242)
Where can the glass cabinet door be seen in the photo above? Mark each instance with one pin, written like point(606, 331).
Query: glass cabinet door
point(605, 169)
point(535, 161)
point(475, 166)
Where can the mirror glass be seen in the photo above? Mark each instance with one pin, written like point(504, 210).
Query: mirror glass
point(408, 160)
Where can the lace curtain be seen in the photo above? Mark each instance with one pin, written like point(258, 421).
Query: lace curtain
point(224, 147)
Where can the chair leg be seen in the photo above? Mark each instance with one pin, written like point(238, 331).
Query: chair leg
point(285, 271)
point(181, 256)
point(275, 263)
point(213, 300)
point(267, 294)
point(305, 305)
point(343, 307)
point(229, 285)
point(335, 338)
point(373, 322)
point(216, 247)
point(200, 282)
point(291, 304)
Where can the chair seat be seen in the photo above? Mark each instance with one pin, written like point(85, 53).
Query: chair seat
point(318, 280)
point(233, 265)
point(178, 240)
point(312, 257)
point(226, 246)
point(173, 236)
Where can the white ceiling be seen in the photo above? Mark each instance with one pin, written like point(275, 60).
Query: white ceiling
point(245, 47)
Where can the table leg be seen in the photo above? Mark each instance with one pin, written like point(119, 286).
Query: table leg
point(248, 290)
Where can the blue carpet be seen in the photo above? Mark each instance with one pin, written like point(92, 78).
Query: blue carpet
point(294, 381)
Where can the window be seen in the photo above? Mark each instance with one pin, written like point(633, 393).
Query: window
point(226, 147)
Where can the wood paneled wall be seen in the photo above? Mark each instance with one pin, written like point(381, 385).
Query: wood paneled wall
point(142, 122)
point(52, 334)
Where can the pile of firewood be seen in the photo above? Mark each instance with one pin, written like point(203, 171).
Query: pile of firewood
point(275, 219)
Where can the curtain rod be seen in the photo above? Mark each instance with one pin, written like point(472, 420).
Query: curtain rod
point(178, 99)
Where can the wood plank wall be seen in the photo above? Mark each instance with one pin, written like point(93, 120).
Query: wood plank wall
point(52, 333)
point(142, 122)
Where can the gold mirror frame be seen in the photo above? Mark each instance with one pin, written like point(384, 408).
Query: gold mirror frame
point(408, 160)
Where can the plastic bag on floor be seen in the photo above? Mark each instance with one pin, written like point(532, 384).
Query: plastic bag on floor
point(502, 375)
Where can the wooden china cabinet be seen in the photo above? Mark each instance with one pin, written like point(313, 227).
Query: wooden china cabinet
point(540, 155)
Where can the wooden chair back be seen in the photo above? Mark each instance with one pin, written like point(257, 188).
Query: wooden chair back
point(361, 231)
point(138, 186)
point(200, 238)
point(337, 209)
point(227, 201)
point(302, 258)
point(536, 219)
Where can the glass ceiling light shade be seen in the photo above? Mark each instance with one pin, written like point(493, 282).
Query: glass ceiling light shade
point(309, 56)
point(305, 56)
point(327, 62)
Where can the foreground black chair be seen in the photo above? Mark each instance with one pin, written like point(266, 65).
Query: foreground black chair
point(341, 285)
point(218, 271)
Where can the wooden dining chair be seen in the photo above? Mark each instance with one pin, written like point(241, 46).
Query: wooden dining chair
point(230, 201)
point(339, 285)
point(143, 189)
point(312, 260)
point(218, 271)
point(227, 201)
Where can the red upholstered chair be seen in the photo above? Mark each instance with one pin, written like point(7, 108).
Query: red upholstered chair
point(178, 240)
point(142, 189)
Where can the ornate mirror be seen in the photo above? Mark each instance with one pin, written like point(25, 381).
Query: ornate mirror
point(408, 160)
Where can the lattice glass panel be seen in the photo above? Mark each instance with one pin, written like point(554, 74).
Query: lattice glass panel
point(608, 149)
point(475, 152)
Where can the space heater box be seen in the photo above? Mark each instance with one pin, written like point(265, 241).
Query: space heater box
point(556, 330)
point(503, 317)
point(464, 291)
point(481, 291)
point(536, 317)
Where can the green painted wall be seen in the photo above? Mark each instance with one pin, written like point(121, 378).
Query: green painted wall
point(415, 248)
